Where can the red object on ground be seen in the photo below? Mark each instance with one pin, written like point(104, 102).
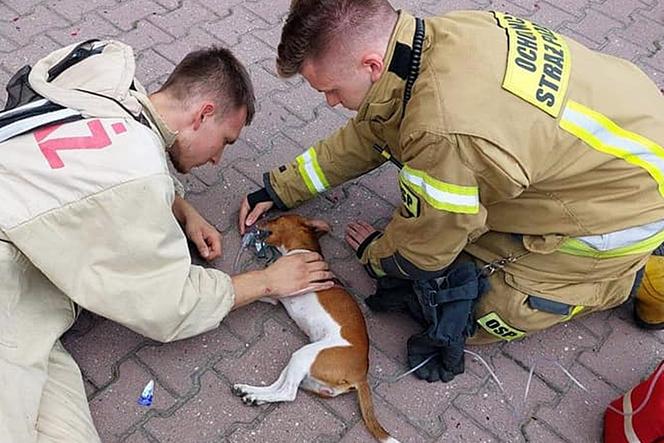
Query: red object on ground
point(642, 413)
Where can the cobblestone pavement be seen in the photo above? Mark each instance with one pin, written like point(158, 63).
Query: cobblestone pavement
point(193, 402)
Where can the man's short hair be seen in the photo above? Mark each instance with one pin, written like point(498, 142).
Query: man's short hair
point(213, 73)
point(313, 26)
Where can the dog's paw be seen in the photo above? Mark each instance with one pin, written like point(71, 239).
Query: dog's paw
point(252, 400)
point(238, 389)
point(248, 397)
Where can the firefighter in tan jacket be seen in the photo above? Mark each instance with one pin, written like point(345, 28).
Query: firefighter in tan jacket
point(517, 146)
point(89, 218)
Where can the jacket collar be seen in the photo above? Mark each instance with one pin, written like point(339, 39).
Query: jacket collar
point(157, 122)
point(391, 84)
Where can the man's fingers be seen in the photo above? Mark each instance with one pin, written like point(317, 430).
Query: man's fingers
point(244, 210)
point(321, 275)
point(202, 246)
point(214, 243)
point(315, 287)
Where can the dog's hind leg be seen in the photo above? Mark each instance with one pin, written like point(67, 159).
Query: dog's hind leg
point(285, 387)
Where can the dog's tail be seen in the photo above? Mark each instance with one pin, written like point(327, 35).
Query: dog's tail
point(368, 414)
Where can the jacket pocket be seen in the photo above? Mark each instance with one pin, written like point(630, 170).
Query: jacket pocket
point(558, 293)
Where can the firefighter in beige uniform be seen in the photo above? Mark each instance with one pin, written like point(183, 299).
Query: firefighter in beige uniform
point(87, 219)
point(518, 146)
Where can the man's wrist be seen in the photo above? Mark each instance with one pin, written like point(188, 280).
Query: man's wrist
point(257, 197)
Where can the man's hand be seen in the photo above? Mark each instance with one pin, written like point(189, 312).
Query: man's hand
point(248, 216)
point(205, 236)
point(290, 275)
point(297, 274)
point(357, 232)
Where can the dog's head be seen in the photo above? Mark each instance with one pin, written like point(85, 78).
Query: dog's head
point(293, 231)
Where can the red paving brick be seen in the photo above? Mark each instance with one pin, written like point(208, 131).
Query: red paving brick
point(193, 402)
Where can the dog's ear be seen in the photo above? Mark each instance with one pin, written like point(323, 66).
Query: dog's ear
point(320, 227)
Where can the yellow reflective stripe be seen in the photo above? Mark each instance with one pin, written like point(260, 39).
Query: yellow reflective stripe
point(579, 248)
point(441, 195)
point(311, 172)
point(575, 310)
point(604, 135)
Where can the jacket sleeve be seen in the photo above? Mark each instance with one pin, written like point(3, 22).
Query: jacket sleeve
point(121, 254)
point(346, 154)
point(440, 211)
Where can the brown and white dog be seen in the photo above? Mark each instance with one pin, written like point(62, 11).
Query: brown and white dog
point(337, 359)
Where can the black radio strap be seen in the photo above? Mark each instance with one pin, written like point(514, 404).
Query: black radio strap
point(406, 64)
point(415, 61)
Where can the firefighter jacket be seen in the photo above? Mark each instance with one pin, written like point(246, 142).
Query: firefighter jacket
point(88, 202)
point(517, 142)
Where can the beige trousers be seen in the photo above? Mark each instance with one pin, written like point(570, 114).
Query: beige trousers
point(42, 398)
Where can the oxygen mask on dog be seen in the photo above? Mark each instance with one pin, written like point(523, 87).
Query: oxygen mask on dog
point(255, 241)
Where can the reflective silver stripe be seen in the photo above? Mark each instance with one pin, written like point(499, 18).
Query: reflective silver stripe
point(29, 123)
point(23, 108)
point(624, 237)
point(442, 195)
point(628, 426)
point(312, 172)
point(602, 134)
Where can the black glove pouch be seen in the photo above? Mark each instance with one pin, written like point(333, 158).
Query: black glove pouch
point(447, 306)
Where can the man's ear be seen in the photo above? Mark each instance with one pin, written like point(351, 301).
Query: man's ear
point(205, 111)
point(375, 63)
point(320, 227)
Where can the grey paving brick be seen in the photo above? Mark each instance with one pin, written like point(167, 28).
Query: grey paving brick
point(636, 360)
point(38, 47)
point(35, 23)
point(175, 364)
point(98, 350)
point(326, 123)
point(115, 409)
point(424, 404)
point(146, 35)
point(234, 24)
point(22, 6)
point(578, 415)
point(554, 16)
point(269, 120)
point(505, 411)
point(395, 424)
point(251, 49)
point(459, 427)
point(177, 22)
point(205, 417)
point(272, 11)
point(390, 331)
point(562, 344)
point(76, 10)
point(150, 66)
point(594, 27)
point(301, 100)
point(302, 421)
point(196, 38)
point(91, 26)
point(128, 14)
point(642, 31)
